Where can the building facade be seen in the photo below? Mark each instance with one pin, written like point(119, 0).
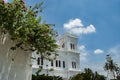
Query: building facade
point(67, 63)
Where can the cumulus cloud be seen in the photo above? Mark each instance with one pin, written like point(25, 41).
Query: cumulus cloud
point(73, 23)
point(98, 51)
point(76, 26)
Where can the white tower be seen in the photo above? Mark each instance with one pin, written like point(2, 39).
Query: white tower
point(69, 44)
point(67, 63)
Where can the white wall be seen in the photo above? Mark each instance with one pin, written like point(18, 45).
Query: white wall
point(14, 65)
point(66, 72)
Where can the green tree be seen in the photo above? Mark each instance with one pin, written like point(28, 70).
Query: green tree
point(97, 76)
point(24, 25)
point(88, 74)
point(77, 77)
point(45, 77)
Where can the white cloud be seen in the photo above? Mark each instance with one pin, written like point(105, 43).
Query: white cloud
point(82, 47)
point(98, 51)
point(87, 62)
point(76, 26)
point(89, 29)
point(73, 23)
point(98, 66)
point(83, 53)
point(115, 54)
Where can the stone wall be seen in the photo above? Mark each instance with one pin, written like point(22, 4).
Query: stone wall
point(14, 65)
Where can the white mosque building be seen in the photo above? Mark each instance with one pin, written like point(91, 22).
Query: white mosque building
point(67, 64)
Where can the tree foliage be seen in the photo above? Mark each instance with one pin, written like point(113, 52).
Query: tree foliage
point(45, 77)
point(23, 23)
point(88, 74)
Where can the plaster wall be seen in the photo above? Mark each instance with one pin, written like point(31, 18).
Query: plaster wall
point(14, 65)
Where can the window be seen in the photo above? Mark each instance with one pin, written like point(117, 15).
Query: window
point(59, 63)
point(63, 45)
point(51, 63)
point(38, 61)
point(73, 64)
point(41, 60)
point(56, 63)
point(71, 45)
point(63, 64)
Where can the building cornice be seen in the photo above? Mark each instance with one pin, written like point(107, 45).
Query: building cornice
point(62, 50)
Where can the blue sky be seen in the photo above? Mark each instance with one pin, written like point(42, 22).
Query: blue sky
point(94, 43)
point(96, 22)
point(104, 15)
